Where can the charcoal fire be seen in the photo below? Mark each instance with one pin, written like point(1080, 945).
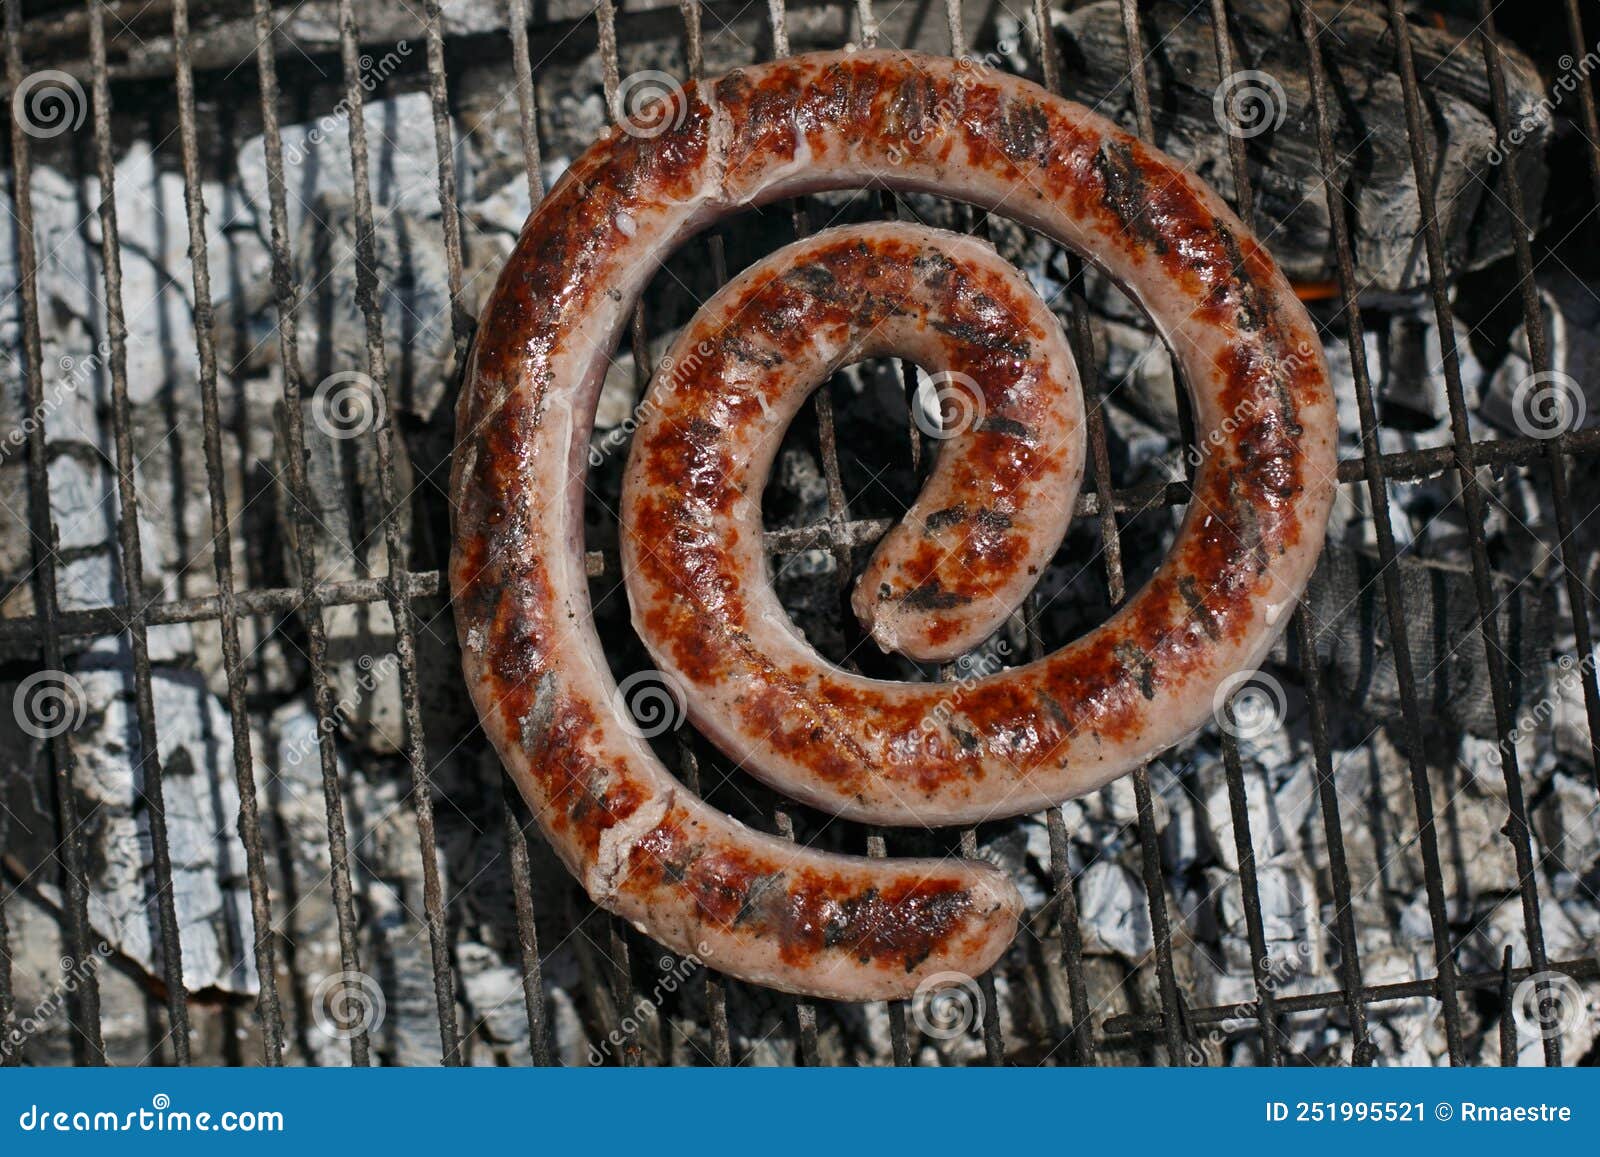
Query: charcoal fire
point(1139, 901)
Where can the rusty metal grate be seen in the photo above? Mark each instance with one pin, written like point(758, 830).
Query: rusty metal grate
point(1177, 1025)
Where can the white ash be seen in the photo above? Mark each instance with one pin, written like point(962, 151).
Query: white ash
point(1367, 110)
point(1192, 814)
point(196, 755)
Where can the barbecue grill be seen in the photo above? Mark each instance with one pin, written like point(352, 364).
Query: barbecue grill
point(1056, 999)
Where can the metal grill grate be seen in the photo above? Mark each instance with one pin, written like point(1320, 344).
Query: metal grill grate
point(1178, 1024)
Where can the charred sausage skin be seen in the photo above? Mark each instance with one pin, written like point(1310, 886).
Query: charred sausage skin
point(996, 503)
point(643, 846)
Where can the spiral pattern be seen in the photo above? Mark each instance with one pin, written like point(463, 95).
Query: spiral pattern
point(1250, 705)
point(347, 1004)
point(1548, 404)
point(1249, 103)
point(774, 912)
point(1550, 1004)
point(649, 103)
point(948, 404)
point(947, 1005)
point(346, 405)
point(49, 103)
point(49, 703)
point(650, 703)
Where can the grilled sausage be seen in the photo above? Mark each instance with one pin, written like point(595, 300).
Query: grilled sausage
point(1002, 403)
point(643, 846)
point(1009, 425)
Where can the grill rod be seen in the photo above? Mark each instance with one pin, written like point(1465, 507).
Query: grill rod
point(310, 606)
point(83, 1006)
point(269, 1008)
point(50, 626)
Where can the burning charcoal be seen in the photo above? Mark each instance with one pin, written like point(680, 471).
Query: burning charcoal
point(1565, 823)
point(571, 1045)
point(196, 750)
point(1276, 816)
point(1412, 385)
point(1569, 717)
point(1558, 399)
point(1346, 603)
point(41, 967)
point(291, 805)
point(1269, 100)
point(141, 44)
point(1476, 858)
point(344, 516)
point(402, 163)
point(1135, 364)
point(493, 991)
point(1571, 1012)
point(394, 989)
point(1501, 926)
point(1114, 911)
point(1183, 840)
point(174, 505)
point(1291, 923)
point(414, 296)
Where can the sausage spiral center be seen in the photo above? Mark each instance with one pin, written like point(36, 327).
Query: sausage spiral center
point(643, 846)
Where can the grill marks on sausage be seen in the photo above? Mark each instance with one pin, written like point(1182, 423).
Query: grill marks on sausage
point(1126, 194)
point(1007, 427)
point(930, 596)
point(979, 335)
point(1161, 219)
point(944, 519)
point(514, 587)
point(1022, 130)
point(808, 914)
point(1025, 132)
point(839, 291)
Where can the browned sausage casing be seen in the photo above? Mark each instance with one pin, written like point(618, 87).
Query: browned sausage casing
point(1000, 398)
point(643, 846)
